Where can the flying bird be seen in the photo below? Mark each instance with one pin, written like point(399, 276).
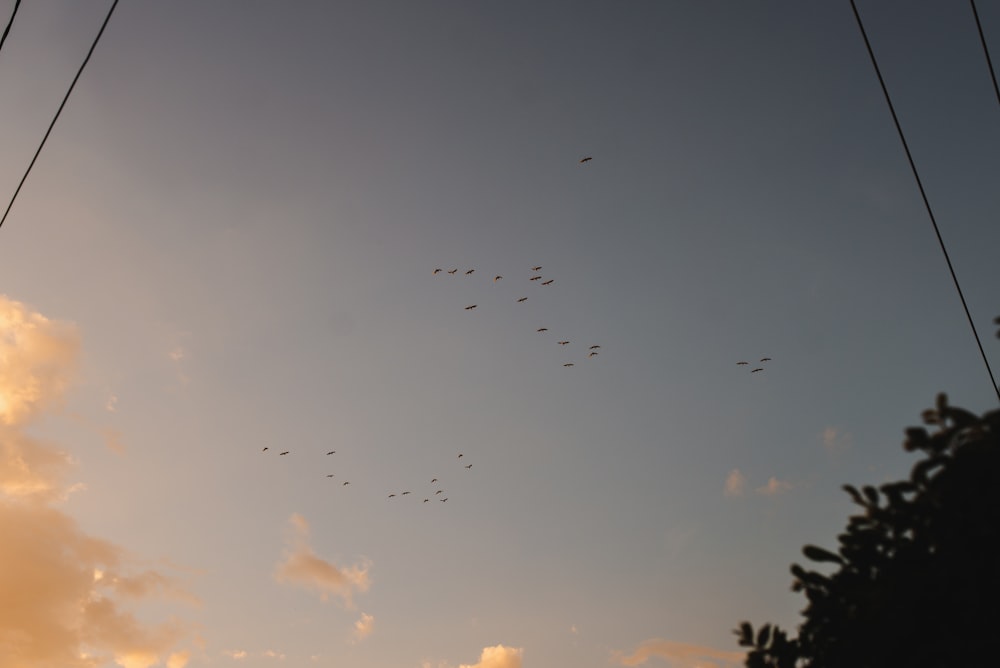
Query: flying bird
point(593, 354)
point(568, 364)
point(265, 449)
point(453, 272)
point(594, 347)
point(347, 483)
point(434, 479)
point(563, 343)
point(497, 278)
point(469, 272)
point(587, 159)
point(535, 278)
point(741, 363)
point(538, 268)
point(405, 493)
point(283, 453)
point(426, 500)
point(444, 499)
point(391, 495)
point(549, 282)
point(765, 359)
point(460, 455)
point(522, 299)
point(469, 308)
point(542, 329)
point(756, 370)
point(439, 491)
point(436, 271)
point(329, 475)
point(468, 466)
point(332, 452)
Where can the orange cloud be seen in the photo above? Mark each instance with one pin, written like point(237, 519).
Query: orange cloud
point(736, 483)
point(364, 627)
point(60, 586)
point(774, 487)
point(498, 657)
point(680, 655)
point(303, 567)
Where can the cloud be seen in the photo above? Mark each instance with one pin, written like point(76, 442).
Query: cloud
point(835, 440)
point(736, 483)
point(680, 655)
point(774, 487)
point(271, 654)
point(498, 657)
point(363, 627)
point(111, 405)
point(61, 587)
point(113, 440)
point(235, 654)
point(303, 567)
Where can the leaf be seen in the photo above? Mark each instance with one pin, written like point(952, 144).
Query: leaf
point(745, 634)
point(916, 438)
point(819, 554)
point(764, 636)
point(871, 493)
point(942, 403)
point(853, 491)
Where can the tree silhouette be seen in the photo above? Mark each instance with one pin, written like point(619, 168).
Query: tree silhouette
point(917, 574)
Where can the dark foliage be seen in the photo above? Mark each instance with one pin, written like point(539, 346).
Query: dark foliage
point(917, 573)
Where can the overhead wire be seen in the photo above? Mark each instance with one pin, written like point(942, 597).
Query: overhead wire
point(59, 111)
point(10, 22)
point(923, 195)
point(986, 50)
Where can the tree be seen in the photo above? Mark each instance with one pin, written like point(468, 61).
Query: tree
point(916, 579)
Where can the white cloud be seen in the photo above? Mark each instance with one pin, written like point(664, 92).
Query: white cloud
point(236, 654)
point(735, 483)
point(303, 567)
point(111, 405)
point(498, 657)
point(774, 487)
point(363, 627)
point(680, 655)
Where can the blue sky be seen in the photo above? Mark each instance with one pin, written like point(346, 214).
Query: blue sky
point(230, 237)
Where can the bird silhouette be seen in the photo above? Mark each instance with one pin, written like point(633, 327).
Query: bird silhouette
point(444, 499)
point(469, 272)
point(592, 354)
point(549, 282)
point(436, 271)
point(347, 483)
point(538, 268)
point(438, 492)
point(453, 272)
point(756, 370)
point(594, 347)
point(522, 299)
point(568, 364)
point(587, 159)
point(741, 363)
point(426, 500)
point(563, 343)
point(283, 453)
point(765, 359)
point(265, 449)
point(469, 308)
point(404, 493)
point(332, 452)
point(434, 479)
point(535, 278)
point(329, 475)
point(460, 455)
point(391, 495)
point(497, 278)
point(542, 329)
point(468, 466)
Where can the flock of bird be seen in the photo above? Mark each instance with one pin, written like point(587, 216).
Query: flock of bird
point(537, 278)
point(755, 369)
point(435, 496)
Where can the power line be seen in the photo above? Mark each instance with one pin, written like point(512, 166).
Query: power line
point(982, 38)
point(10, 22)
point(923, 195)
point(59, 111)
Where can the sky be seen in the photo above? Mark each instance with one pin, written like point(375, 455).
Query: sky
point(226, 251)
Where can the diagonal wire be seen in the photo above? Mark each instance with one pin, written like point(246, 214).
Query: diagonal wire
point(59, 111)
point(10, 22)
point(986, 51)
point(923, 195)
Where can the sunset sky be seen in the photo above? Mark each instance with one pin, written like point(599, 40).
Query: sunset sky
point(228, 244)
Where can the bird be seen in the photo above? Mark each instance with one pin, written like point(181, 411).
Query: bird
point(453, 272)
point(468, 466)
point(497, 278)
point(469, 308)
point(434, 479)
point(444, 499)
point(535, 278)
point(405, 493)
point(438, 492)
point(765, 359)
point(469, 272)
point(265, 449)
point(542, 329)
point(460, 455)
point(347, 483)
point(538, 268)
point(741, 363)
point(587, 159)
point(593, 354)
point(283, 453)
point(563, 343)
point(594, 347)
point(329, 475)
point(522, 299)
point(391, 495)
point(332, 452)
point(756, 370)
point(436, 271)
point(549, 282)
point(426, 500)
point(568, 364)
